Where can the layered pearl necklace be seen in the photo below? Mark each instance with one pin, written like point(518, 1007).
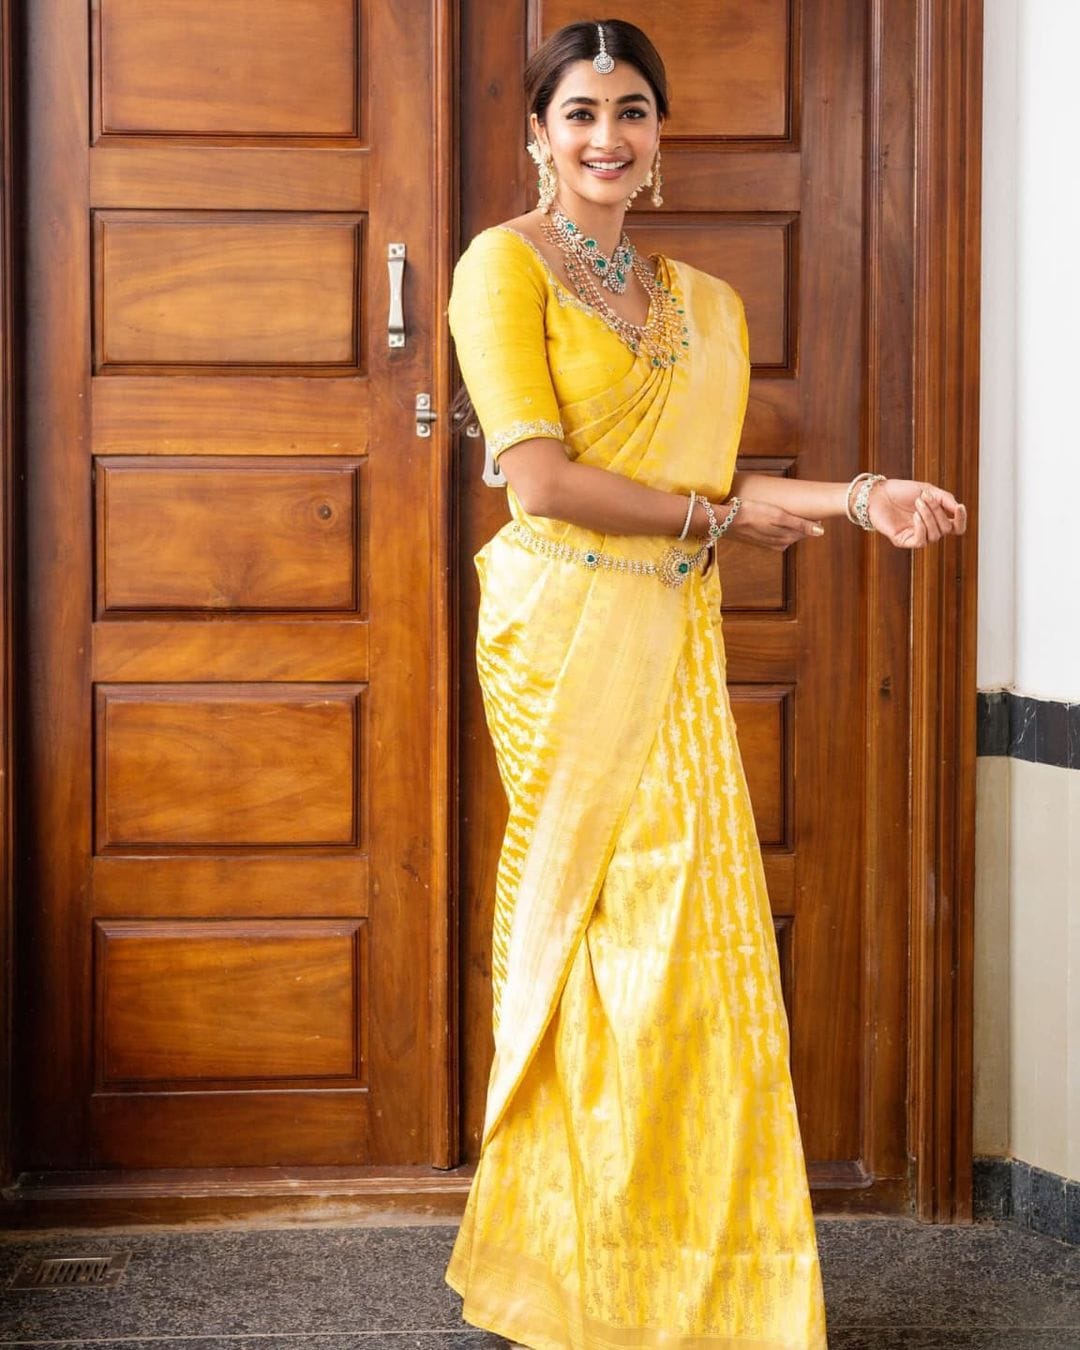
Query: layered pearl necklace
point(665, 334)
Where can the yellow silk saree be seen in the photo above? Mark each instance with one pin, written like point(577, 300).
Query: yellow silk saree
point(641, 1180)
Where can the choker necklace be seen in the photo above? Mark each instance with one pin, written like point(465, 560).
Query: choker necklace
point(613, 272)
point(665, 334)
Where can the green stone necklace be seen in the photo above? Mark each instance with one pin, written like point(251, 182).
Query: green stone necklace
point(613, 272)
point(665, 334)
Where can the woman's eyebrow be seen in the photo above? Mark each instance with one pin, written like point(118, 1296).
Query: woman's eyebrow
point(626, 98)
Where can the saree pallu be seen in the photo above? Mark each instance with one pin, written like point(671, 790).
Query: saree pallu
point(641, 1180)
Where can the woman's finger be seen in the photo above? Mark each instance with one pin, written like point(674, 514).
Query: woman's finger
point(940, 515)
point(933, 534)
point(952, 515)
point(917, 537)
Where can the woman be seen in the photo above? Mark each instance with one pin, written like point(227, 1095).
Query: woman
point(641, 1180)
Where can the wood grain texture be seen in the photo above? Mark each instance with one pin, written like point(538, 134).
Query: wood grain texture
point(224, 885)
point(237, 291)
point(267, 765)
point(243, 415)
point(757, 253)
point(230, 177)
point(304, 649)
point(174, 1002)
point(9, 585)
point(278, 70)
point(231, 525)
point(763, 718)
point(218, 535)
point(947, 206)
point(746, 48)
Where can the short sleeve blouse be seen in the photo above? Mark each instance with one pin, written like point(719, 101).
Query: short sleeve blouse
point(496, 314)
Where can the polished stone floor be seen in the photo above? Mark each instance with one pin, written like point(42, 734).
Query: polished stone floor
point(888, 1283)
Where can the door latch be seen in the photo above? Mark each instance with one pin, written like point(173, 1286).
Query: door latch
point(424, 415)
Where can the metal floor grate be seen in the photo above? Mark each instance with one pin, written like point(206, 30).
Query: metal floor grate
point(69, 1272)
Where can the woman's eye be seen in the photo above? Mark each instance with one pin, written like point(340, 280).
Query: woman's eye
point(635, 113)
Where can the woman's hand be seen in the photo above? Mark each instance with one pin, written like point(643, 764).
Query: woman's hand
point(911, 514)
point(768, 526)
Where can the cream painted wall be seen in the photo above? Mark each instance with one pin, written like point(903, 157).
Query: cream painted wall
point(1027, 901)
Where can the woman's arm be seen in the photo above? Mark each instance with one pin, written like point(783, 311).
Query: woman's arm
point(548, 483)
point(800, 496)
point(908, 512)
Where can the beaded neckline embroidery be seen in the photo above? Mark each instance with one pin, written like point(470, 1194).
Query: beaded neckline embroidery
point(567, 297)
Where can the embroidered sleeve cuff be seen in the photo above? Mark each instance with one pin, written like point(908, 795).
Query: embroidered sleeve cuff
point(523, 431)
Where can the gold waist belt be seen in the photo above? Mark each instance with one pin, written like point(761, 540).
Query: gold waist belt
point(673, 567)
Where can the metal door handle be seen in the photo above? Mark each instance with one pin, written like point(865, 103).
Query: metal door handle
point(395, 325)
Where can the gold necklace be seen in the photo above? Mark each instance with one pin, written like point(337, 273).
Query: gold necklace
point(665, 334)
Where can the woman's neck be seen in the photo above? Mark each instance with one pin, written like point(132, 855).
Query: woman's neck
point(602, 223)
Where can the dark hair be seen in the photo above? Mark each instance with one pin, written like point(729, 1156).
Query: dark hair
point(580, 42)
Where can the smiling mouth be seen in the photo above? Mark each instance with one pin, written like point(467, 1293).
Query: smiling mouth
point(606, 165)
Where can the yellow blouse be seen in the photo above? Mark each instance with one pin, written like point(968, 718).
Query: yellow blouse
point(522, 356)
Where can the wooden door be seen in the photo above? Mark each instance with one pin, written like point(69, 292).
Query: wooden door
point(787, 159)
point(225, 936)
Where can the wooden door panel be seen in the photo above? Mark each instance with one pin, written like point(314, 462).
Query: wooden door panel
point(764, 186)
point(763, 719)
point(191, 764)
point(277, 70)
point(174, 290)
point(174, 1002)
point(150, 415)
point(715, 49)
point(756, 254)
point(194, 885)
point(208, 535)
point(230, 746)
point(282, 650)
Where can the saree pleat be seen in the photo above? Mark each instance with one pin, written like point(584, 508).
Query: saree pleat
point(641, 1180)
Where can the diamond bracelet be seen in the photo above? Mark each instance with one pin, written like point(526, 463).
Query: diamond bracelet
point(858, 512)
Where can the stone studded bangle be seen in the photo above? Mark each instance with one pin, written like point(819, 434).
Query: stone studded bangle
point(859, 478)
point(689, 514)
point(862, 497)
point(736, 502)
point(714, 528)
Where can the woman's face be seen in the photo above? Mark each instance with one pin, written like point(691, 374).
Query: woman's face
point(595, 120)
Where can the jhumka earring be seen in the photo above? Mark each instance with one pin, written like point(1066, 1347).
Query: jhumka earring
point(655, 178)
point(547, 180)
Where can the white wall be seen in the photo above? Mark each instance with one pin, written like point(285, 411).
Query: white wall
point(997, 414)
point(1029, 521)
point(1027, 902)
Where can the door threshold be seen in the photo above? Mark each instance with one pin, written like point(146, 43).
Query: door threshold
point(243, 1196)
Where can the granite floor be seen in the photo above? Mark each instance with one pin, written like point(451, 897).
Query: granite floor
point(888, 1283)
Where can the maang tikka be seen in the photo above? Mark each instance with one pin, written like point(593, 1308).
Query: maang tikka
point(603, 62)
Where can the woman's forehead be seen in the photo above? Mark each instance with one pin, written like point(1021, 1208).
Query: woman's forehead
point(581, 81)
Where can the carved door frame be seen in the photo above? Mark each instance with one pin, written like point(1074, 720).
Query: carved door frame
point(924, 219)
